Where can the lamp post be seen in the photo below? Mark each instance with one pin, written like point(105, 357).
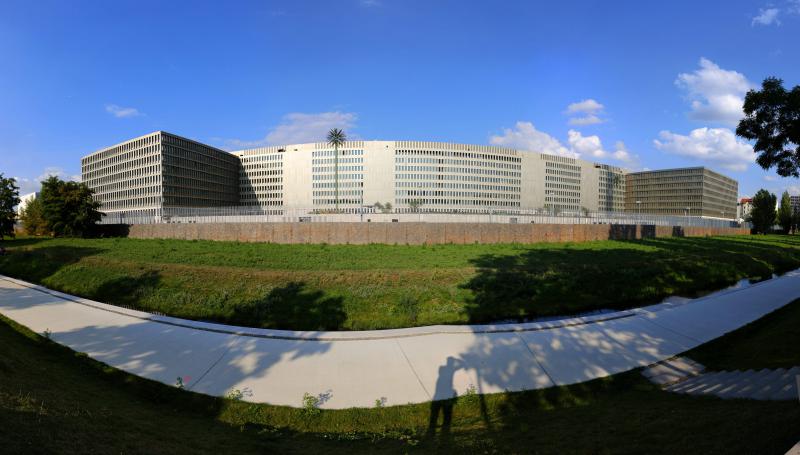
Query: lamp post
point(638, 212)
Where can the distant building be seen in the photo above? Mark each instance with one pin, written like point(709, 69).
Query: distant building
point(795, 200)
point(160, 174)
point(25, 200)
point(694, 191)
point(161, 170)
point(743, 208)
point(145, 175)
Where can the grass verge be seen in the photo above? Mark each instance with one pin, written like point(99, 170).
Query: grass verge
point(359, 287)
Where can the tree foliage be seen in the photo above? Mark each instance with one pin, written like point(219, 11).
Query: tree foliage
point(9, 198)
point(32, 218)
point(785, 213)
point(68, 207)
point(336, 139)
point(763, 213)
point(414, 204)
point(795, 219)
point(772, 120)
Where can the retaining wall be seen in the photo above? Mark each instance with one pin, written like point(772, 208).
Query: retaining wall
point(416, 233)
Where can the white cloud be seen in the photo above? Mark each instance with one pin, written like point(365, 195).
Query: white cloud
point(122, 112)
point(716, 94)
point(710, 145)
point(621, 153)
point(587, 106)
point(525, 136)
point(794, 7)
point(585, 120)
point(298, 128)
point(592, 147)
point(769, 178)
point(766, 16)
point(30, 185)
point(370, 3)
point(586, 112)
point(584, 146)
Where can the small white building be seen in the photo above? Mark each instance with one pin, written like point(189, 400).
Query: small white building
point(743, 208)
point(25, 200)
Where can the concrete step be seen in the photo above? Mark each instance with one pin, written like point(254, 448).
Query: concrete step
point(678, 367)
point(769, 384)
point(787, 390)
point(746, 387)
point(736, 382)
point(684, 365)
point(710, 380)
point(723, 381)
point(691, 383)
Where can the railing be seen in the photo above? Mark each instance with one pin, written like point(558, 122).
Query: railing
point(424, 215)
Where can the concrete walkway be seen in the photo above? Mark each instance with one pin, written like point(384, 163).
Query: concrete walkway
point(353, 369)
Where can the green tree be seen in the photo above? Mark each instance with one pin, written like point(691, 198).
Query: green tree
point(763, 213)
point(785, 213)
point(772, 120)
point(32, 217)
point(9, 198)
point(336, 138)
point(414, 204)
point(68, 207)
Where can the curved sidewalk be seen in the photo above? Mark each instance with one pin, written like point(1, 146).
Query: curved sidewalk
point(354, 369)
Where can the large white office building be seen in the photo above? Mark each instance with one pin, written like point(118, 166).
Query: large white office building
point(153, 173)
point(433, 176)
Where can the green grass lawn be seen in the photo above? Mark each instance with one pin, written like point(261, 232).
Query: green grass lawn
point(53, 400)
point(354, 287)
point(770, 342)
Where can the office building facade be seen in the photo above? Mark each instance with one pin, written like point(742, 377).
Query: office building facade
point(435, 176)
point(693, 191)
point(159, 171)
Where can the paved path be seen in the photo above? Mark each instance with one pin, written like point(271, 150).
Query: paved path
point(403, 366)
point(683, 375)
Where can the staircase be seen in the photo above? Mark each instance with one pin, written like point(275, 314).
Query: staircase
point(683, 375)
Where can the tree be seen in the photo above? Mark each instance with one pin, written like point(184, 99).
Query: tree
point(32, 217)
point(384, 208)
point(795, 220)
point(763, 213)
point(785, 213)
point(68, 207)
point(414, 204)
point(336, 138)
point(9, 198)
point(772, 120)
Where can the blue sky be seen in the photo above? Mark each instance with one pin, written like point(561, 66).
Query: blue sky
point(640, 84)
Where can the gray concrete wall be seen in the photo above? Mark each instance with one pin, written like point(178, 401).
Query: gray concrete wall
point(415, 233)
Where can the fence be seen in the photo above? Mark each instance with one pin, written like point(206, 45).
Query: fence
point(423, 215)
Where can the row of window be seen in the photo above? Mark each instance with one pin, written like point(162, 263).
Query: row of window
point(455, 162)
point(448, 153)
point(464, 186)
point(425, 202)
point(459, 194)
point(456, 170)
point(457, 177)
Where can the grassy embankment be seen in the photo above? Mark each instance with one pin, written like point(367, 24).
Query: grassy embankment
point(53, 400)
point(352, 287)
